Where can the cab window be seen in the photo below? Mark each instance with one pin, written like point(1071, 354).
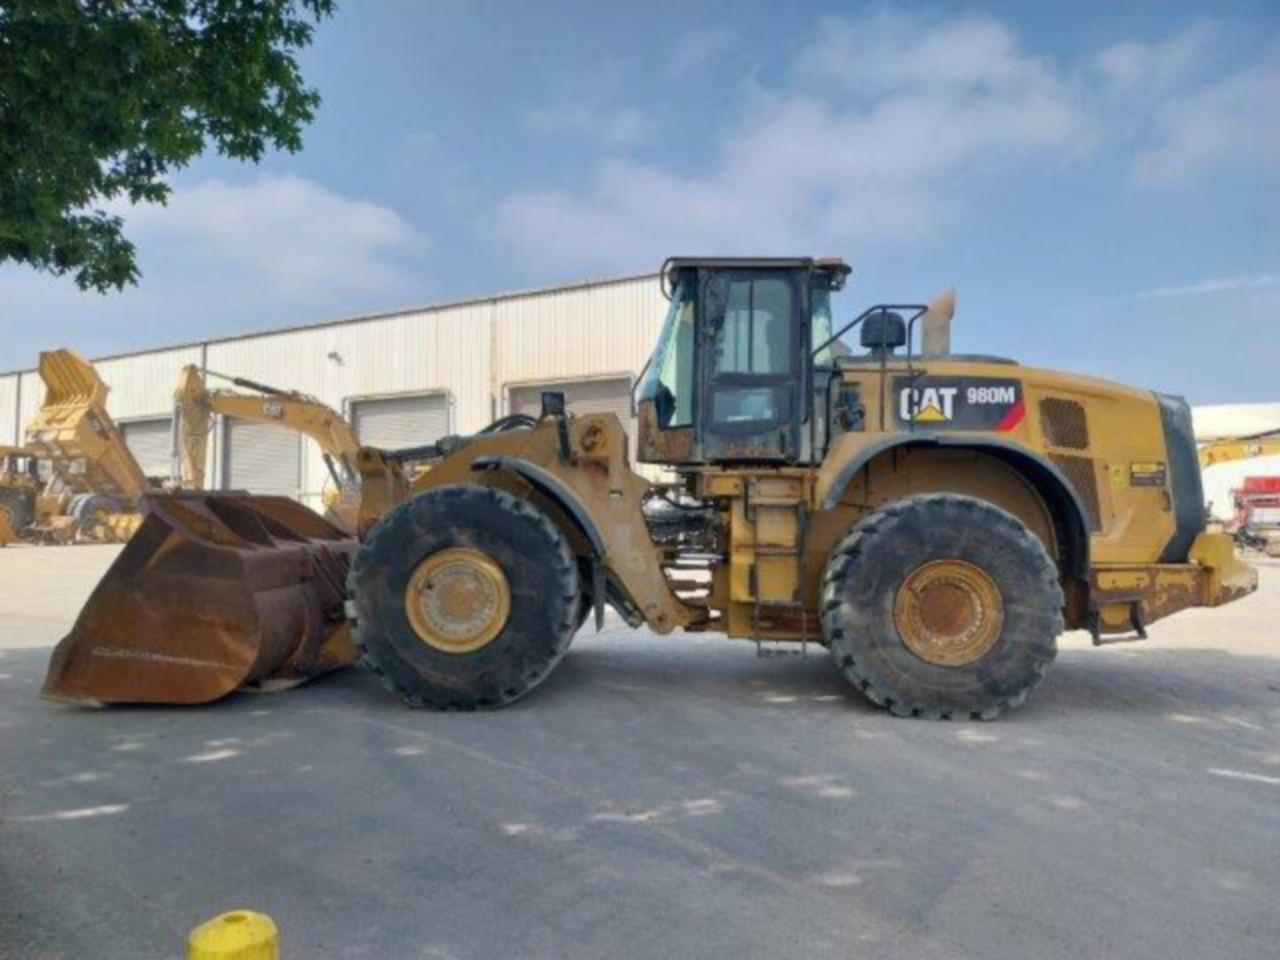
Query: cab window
point(669, 381)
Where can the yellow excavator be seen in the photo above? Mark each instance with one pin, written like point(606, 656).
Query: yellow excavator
point(1225, 450)
point(195, 406)
point(934, 520)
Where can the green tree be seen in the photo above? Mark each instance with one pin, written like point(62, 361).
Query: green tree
point(102, 99)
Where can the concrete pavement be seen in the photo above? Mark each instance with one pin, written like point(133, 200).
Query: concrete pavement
point(658, 797)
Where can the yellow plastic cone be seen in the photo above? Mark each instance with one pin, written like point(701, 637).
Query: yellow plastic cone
point(237, 935)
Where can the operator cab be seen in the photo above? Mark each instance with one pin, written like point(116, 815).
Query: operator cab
point(734, 365)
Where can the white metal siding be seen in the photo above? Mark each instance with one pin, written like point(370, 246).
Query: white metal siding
point(396, 422)
point(151, 443)
point(576, 333)
point(142, 385)
point(580, 396)
point(32, 390)
point(10, 428)
point(261, 458)
point(469, 350)
point(611, 395)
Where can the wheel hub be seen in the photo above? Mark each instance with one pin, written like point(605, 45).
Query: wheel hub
point(457, 600)
point(948, 612)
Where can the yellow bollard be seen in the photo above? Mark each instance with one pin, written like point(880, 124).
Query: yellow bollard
point(238, 935)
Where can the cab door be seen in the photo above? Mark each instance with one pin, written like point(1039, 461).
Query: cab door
point(752, 363)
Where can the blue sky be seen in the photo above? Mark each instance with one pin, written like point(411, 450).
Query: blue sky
point(1100, 182)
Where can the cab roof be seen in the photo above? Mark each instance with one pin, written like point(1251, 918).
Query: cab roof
point(838, 269)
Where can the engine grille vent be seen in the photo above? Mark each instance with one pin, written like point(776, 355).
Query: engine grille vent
point(1080, 473)
point(1064, 423)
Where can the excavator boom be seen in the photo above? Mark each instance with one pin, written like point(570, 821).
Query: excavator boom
point(196, 405)
point(1239, 448)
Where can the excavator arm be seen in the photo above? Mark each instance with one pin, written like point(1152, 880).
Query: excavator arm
point(1239, 448)
point(195, 406)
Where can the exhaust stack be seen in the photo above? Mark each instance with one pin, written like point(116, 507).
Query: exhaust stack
point(937, 324)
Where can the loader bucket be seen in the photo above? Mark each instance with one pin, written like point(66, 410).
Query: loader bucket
point(213, 593)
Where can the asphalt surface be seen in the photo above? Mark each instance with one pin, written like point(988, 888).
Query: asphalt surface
point(673, 797)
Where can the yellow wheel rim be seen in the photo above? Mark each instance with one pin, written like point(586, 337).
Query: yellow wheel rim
point(457, 600)
point(948, 612)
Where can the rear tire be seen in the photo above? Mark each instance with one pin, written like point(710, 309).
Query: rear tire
point(539, 580)
point(942, 606)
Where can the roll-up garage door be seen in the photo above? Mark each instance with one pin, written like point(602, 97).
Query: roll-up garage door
point(262, 458)
point(580, 396)
point(394, 423)
point(151, 443)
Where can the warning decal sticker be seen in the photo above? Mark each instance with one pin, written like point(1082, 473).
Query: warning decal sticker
point(958, 403)
point(1147, 475)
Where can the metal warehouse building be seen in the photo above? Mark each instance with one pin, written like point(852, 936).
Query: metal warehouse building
point(402, 378)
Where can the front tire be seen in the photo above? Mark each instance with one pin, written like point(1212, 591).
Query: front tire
point(942, 606)
point(464, 598)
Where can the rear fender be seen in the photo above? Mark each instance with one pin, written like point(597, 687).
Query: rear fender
point(1059, 496)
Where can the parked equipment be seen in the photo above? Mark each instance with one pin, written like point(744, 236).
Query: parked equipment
point(195, 406)
point(19, 494)
point(1256, 524)
point(95, 488)
point(935, 520)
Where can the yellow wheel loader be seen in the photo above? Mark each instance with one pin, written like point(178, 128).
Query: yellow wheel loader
point(934, 520)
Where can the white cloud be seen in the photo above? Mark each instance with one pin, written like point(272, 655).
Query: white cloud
point(1216, 285)
point(697, 48)
point(1154, 66)
point(612, 126)
point(878, 118)
point(891, 53)
point(1233, 120)
point(223, 257)
point(288, 235)
point(586, 102)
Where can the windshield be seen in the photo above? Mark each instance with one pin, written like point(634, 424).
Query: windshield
point(669, 380)
point(820, 305)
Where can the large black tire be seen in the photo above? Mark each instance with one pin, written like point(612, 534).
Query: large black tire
point(868, 569)
point(544, 598)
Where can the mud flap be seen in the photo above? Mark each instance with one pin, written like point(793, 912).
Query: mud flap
point(215, 592)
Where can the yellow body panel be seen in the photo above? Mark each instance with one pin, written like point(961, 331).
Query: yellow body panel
point(1124, 429)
